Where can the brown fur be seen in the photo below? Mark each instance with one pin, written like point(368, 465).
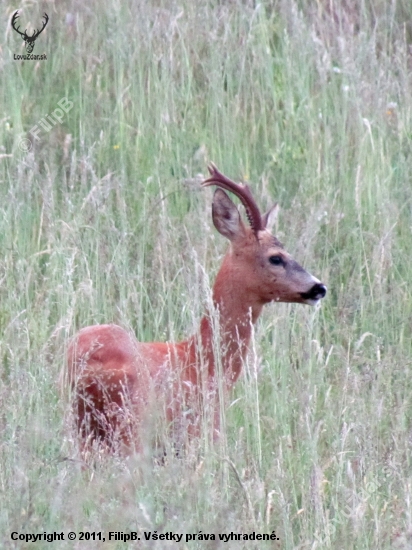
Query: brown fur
point(119, 382)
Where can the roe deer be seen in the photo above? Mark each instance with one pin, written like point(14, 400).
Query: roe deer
point(119, 383)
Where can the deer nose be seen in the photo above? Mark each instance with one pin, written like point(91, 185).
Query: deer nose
point(317, 292)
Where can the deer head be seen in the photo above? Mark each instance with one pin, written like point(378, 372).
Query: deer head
point(264, 269)
point(29, 40)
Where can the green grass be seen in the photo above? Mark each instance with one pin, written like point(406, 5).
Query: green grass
point(103, 221)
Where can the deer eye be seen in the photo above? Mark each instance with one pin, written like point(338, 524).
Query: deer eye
point(276, 260)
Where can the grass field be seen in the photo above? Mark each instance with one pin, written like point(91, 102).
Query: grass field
point(103, 220)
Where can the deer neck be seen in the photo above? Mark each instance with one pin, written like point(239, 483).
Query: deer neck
point(229, 327)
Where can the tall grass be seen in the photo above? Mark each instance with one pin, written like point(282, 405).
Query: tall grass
point(103, 221)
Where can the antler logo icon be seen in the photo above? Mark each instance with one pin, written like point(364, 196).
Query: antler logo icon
point(29, 40)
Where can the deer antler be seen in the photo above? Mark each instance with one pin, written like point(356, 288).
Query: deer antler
point(242, 191)
point(13, 21)
point(36, 34)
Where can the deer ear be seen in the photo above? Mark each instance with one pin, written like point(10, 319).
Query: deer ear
point(269, 219)
point(226, 216)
